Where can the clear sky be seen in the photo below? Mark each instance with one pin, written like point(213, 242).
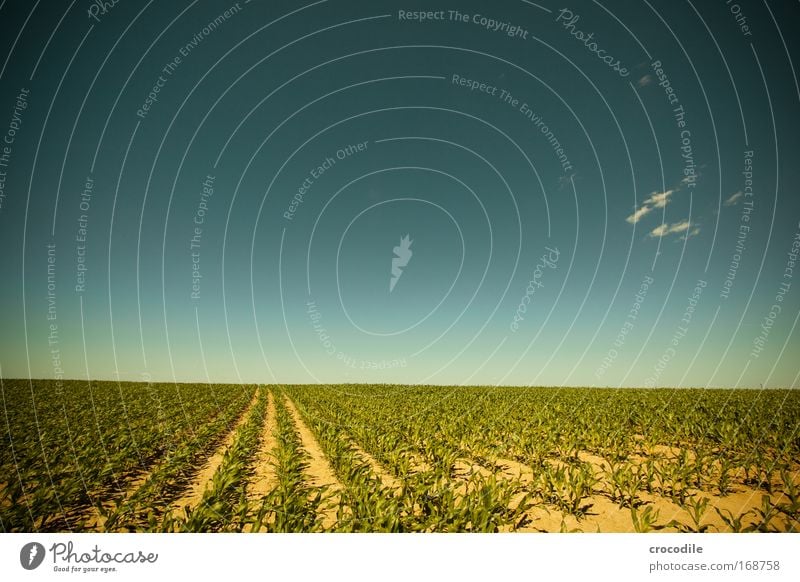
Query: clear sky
point(603, 194)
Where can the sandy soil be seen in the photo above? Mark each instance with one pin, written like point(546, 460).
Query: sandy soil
point(94, 520)
point(462, 471)
point(264, 476)
point(605, 515)
point(264, 470)
point(202, 479)
point(319, 471)
point(511, 469)
point(387, 479)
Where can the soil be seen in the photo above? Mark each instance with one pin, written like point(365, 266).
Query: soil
point(319, 472)
point(202, 479)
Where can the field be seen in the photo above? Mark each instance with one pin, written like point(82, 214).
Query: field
point(108, 456)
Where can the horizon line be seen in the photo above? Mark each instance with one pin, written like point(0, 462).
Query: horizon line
point(151, 381)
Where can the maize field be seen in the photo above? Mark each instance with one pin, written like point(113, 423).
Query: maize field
point(145, 457)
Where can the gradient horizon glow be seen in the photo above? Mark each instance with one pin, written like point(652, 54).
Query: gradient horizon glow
point(592, 195)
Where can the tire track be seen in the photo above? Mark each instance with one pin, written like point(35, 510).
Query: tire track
point(387, 479)
point(264, 474)
point(194, 492)
point(91, 519)
point(96, 521)
point(319, 471)
point(265, 470)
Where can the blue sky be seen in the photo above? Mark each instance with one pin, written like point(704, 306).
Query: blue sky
point(599, 195)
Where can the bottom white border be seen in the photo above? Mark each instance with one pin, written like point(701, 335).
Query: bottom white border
point(403, 557)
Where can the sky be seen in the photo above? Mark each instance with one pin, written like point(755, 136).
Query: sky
point(603, 194)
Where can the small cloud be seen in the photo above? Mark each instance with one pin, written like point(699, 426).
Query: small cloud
point(659, 199)
point(664, 229)
point(734, 198)
point(679, 227)
point(645, 81)
point(660, 230)
point(656, 200)
point(637, 214)
point(694, 232)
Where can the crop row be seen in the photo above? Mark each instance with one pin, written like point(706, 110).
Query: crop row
point(121, 456)
point(224, 504)
point(572, 461)
point(429, 498)
point(67, 448)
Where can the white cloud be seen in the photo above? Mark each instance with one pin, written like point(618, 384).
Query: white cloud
point(694, 232)
point(734, 198)
point(679, 227)
point(656, 200)
point(637, 215)
point(660, 230)
point(664, 229)
point(659, 199)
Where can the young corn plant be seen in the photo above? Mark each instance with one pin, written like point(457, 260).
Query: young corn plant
point(292, 506)
point(735, 523)
point(144, 509)
point(724, 477)
point(133, 453)
point(675, 480)
point(550, 482)
point(487, 506)
point(759, 470)
point(764, 516)
point(223, 506)
point(581, 482)
point(624, 483)
point(644, 520)
point(696, 508)
point(791, 491)
point(370, 507)
point(564, 528)
point(646, 473)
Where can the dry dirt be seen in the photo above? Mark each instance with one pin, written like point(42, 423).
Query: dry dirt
point(319, 471)
point(264, 477)
point(605, 515)
point(387, 479)
point(202, 480)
